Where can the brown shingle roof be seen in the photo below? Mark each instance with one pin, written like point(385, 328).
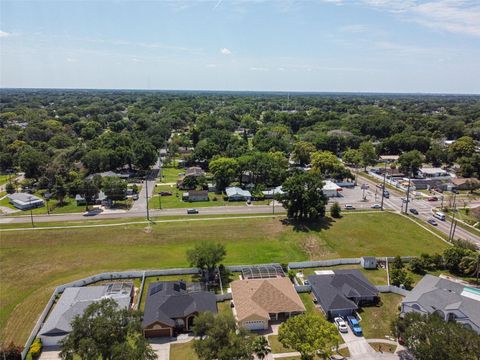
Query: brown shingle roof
point(263, 296)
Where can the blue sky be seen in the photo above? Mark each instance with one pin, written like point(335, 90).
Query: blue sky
point(318, 45)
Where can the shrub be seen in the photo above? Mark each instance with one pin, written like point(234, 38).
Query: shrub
point(400, 277)
point(416, 266)
point(335, 210)
point(36, 348)
point(214, 198)
point(397, 263)
point(11, 352)
point(10, 188)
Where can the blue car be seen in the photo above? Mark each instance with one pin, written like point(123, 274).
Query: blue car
point(354, 325)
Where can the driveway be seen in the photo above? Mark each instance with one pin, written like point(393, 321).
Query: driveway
point(358, 346)
point(50, 353)
point(161, 348)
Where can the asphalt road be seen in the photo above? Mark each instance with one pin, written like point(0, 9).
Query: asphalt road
point(424, 209)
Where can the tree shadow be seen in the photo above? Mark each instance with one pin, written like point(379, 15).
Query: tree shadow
point(309, 226)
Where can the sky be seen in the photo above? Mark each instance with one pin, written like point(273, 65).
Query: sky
point(429, 46)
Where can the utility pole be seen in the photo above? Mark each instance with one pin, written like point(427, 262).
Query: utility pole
point(273, 202)
point(384, 182)
point(146, 196)
point(31, 212)
point(408, 194)
point(450, 234)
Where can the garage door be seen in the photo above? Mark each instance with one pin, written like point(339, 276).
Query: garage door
point(157, 333)
point(254, 325)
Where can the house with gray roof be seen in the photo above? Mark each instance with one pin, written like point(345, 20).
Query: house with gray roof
point(237, 194)
point(342, 292)
point(25, 201)
point(170, 308)
point(74, 301)
point(450, 300)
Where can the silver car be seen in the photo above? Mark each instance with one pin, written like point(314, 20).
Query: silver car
point(341, 325)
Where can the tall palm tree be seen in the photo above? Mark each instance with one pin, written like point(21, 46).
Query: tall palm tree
point(261, 348)
point(470, 264)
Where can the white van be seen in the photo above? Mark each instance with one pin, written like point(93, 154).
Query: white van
point(439, 215)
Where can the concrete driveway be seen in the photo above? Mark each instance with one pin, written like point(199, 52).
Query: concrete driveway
point(358, 346)
point(50, 353)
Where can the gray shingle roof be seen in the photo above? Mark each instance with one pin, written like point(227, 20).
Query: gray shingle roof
point(337, 291)
point(434, 293)
point(73, 302)
point(170, 300)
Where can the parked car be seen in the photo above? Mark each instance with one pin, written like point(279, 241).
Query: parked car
point(165, 193)
point(349, 207)
point(192, 211)
point(414, 211)
point(455, 191)
point(432, 222)
point(341, 325)
point(376, 206)
point(439, 190)
point(135, 196)
point(432, 198)
point(354, 325)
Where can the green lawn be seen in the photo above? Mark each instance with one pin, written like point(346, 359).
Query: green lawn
point(34, 262)
point(183, 351)
point(376, 319)
point(175, 200)
point(4, 178)
point(170, 174)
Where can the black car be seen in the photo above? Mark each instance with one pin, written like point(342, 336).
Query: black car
point(414, 211)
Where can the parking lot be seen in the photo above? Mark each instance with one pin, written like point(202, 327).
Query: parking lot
point(355, 197)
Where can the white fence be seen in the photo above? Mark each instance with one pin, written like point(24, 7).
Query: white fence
point(322, 263)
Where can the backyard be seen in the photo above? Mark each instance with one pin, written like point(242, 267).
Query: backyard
point(34, 262)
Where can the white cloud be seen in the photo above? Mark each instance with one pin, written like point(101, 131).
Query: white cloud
point(71, 60)
point(4, 34)
point(455, 16)
point(137, 60)
point(211, 65)
point(225, 51)
point(255, 68)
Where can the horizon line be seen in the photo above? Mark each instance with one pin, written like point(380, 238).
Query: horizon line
point(297, 92)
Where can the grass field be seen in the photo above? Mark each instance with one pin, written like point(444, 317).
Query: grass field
point(4, 179)
point(34, 262)
point(170, 174)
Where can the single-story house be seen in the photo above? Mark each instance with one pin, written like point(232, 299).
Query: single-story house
point(259, 301)
point(450, 300)
point(269, 194)
point(433, 173)
point(25, 201)
point(237, 194)
point(368, 262)
point(109, 174)
point(74, 301)
point(341, 292)
point(330, 189)
point(389, 158)
point(170, 308)
point(194, 171)
point(465, 183)
point(195, 195)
